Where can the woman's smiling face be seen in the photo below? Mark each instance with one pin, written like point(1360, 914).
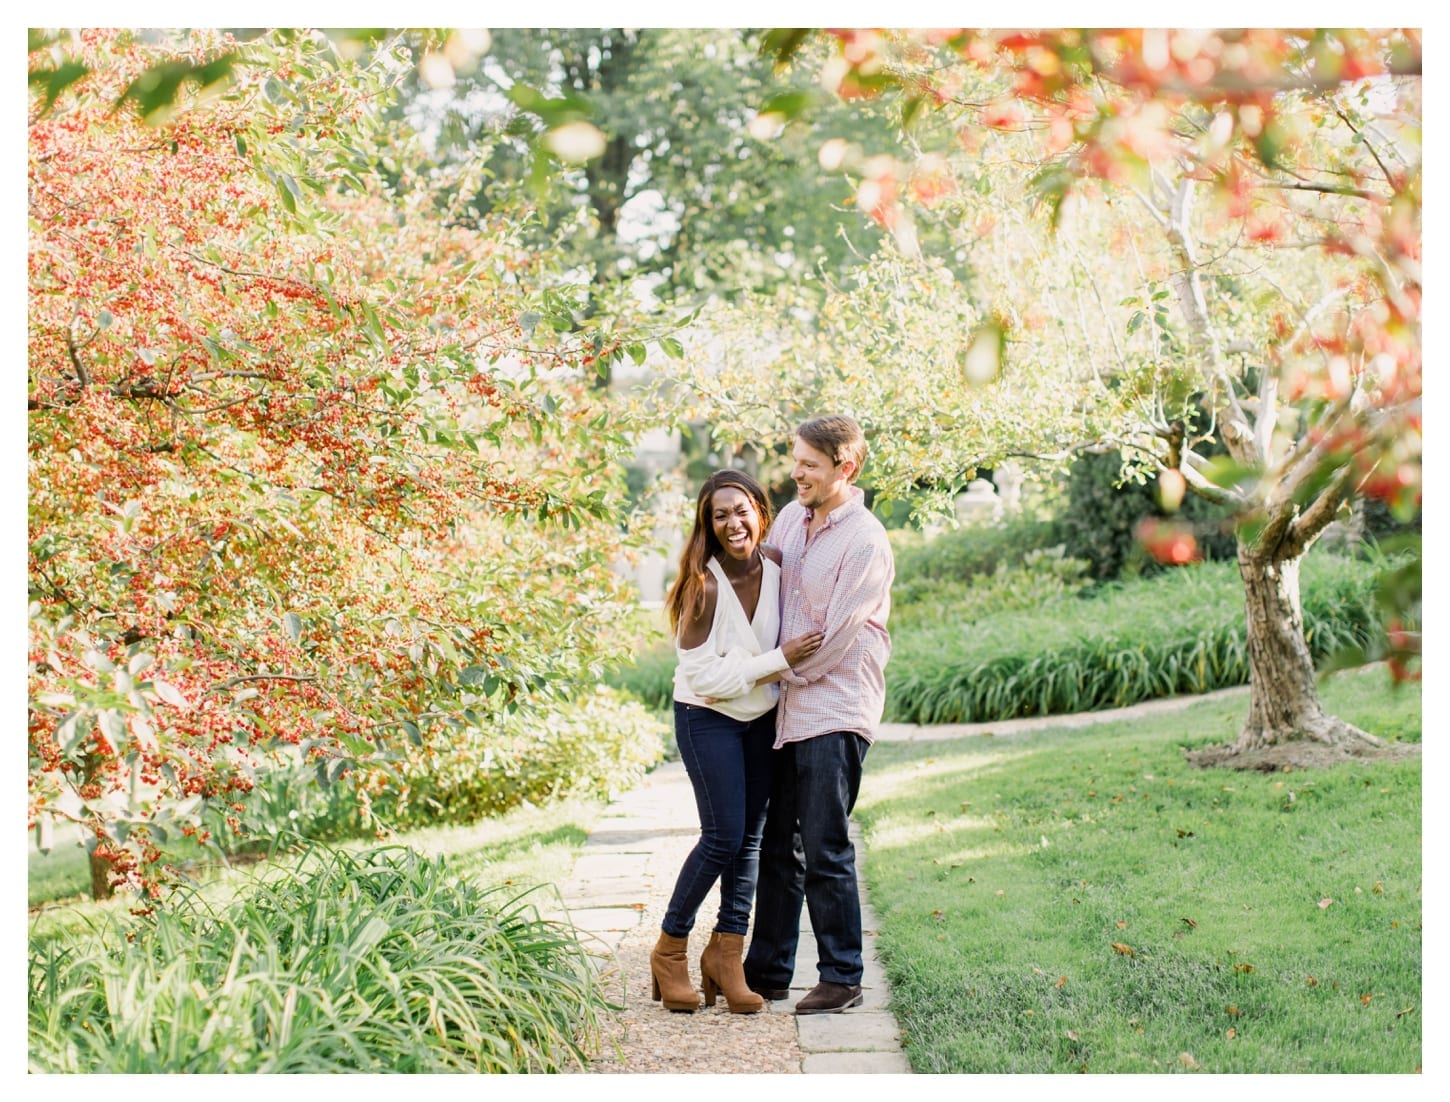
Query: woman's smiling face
point(735, 522)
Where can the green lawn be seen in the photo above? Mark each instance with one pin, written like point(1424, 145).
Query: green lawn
point(1086, 901)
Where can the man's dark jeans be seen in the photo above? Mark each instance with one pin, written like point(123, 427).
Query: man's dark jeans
point(728, 762)
point(806, 854)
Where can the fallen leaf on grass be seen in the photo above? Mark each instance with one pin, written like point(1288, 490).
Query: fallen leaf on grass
point(1232, 1011)
point(1187, 1060)
point(1072, 1035)
point(1191, 923)
point(1121, 925)
point(1379, 888)
point(1311, 981)
point(1407, 1010)
point(1366, 999)
point(1325, 904)
point(1231, 1033)
point(1061, 982)
point(1001, 892)
point(1124, 950)
point(1243, 967)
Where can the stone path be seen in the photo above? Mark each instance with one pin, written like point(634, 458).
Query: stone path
point(616, 896)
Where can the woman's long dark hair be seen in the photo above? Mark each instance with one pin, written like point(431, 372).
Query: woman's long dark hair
point(687, 594)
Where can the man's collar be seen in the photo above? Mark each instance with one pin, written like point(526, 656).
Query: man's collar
point(855, 499)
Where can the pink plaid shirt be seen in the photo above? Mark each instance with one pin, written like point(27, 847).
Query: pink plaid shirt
point(840, 583)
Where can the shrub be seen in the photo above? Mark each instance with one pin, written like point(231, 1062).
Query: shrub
point(1179, 632)
point(650, 677)
point(597, 745)
point(1101, 516)
point(593, 746)
point(375, 962)
point(1042, 575)
point(961, 553)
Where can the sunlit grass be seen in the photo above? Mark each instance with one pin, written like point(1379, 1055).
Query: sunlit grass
point(375, 960)
point(1090, 902)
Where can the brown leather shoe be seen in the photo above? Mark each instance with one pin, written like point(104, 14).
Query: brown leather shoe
point(829, 998)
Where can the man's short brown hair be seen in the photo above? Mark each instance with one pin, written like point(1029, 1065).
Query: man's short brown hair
point(838, 436)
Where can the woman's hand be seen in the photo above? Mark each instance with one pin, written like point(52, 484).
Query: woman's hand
point(802, 646)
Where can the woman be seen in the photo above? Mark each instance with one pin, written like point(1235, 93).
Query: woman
point(724, 610)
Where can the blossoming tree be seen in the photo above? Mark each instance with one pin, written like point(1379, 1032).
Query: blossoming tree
point(1181, 242)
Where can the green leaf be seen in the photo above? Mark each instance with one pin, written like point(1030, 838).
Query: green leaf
point(783, 42)
point(285, 194)
point(789, 104)
point(293, 623)
point(169, 693)
point(1228, 473)
point(473, 675)
point(157, 89)
point(672, 348)
point(1050, 187)
point(57, 80)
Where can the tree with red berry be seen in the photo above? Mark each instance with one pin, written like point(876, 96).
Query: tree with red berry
point(311, 478)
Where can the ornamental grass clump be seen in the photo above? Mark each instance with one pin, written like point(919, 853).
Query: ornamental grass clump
point(1177, 633)
point(380, 961)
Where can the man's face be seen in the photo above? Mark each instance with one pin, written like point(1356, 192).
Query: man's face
point(818, 481)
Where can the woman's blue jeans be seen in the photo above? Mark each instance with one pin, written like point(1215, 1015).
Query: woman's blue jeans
point(728, 762)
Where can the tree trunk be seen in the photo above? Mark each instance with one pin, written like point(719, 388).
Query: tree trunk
point(1287, 725)
point(101, 877)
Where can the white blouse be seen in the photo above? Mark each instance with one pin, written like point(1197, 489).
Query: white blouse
point(721, 673)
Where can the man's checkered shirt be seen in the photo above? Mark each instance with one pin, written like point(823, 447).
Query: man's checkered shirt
point(839, 583)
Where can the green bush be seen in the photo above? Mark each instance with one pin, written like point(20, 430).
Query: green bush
point(1179, 632)
point(1040, 576)
point(375, 962)
point(593, 746)
point(650, 678)
point(1101, 517)
point(961, 553)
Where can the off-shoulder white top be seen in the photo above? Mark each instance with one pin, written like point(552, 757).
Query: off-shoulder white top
point(721, 673)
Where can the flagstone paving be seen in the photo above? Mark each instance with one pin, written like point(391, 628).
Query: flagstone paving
point(617, 894)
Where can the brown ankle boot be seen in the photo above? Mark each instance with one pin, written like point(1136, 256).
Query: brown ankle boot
point(670, 975)
point(721, 970)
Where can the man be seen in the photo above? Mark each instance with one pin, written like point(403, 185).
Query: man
point(836, 577)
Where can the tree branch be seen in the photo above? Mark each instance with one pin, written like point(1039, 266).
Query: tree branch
point(230, 683)
point(82, 375)
point(1316, 518)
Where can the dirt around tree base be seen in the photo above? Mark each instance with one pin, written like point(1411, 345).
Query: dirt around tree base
point(1298, 754)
